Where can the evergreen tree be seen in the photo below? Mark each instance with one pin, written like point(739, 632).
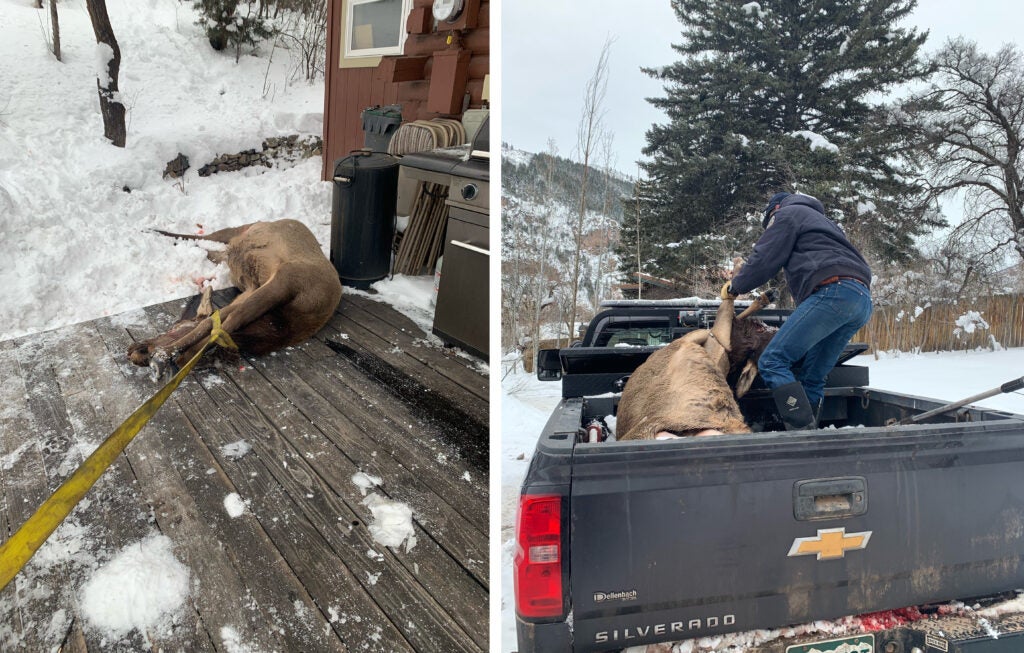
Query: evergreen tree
point(232, 22)
point(776, 95)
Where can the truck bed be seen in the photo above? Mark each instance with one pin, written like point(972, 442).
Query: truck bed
point(692, 537)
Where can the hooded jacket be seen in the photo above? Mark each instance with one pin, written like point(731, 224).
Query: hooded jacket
point(807, 245)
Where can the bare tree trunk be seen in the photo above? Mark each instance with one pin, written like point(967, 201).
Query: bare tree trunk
point(607, 158)
point(541, 286)
point(636, 209)
point(110, 104)
point(56, 29)
point(587, 136)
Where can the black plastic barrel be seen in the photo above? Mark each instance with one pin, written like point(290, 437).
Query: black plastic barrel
point(363, 217)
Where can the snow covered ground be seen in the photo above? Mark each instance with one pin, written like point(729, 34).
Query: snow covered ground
point(527, 403)
point(74, 210)
point(76, 215)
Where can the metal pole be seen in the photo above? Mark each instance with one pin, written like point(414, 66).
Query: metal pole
point(1009, 386)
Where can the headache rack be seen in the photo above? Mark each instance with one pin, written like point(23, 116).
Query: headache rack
point(624, 333)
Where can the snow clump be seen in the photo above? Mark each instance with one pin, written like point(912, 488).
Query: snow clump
point(140, 588)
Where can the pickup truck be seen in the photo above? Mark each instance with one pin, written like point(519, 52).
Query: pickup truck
point(621, 544)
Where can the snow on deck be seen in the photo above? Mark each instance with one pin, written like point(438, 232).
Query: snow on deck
point(234, 522)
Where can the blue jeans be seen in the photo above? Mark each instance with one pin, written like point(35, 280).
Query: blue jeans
point(817, 331)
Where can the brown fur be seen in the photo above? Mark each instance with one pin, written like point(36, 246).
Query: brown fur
point(679, 389)
point(749, 338)
point(682, 389)
point(289, 290)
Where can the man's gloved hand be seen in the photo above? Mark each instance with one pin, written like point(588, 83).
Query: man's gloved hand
point(727, 291)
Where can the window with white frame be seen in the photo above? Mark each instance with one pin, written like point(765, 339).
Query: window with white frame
point(375, 27)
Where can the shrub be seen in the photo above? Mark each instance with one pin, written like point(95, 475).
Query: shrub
point(232, 23)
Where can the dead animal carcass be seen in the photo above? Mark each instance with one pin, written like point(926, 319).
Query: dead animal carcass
point(683, 389)
point(289, 290)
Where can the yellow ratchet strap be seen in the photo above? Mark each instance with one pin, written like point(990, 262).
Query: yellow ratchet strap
point(16, 551)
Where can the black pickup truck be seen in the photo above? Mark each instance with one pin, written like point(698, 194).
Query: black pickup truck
point(627, 543)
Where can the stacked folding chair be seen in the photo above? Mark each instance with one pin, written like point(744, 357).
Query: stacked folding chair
point(423, 240)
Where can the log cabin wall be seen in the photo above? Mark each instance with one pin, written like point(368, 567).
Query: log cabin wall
point(439, 65)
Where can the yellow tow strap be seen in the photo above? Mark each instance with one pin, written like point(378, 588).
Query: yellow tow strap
point(17, 550)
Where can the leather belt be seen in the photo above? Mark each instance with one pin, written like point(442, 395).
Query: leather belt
point(830, 280)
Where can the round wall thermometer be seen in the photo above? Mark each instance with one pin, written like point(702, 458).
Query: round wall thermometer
point(447, 10)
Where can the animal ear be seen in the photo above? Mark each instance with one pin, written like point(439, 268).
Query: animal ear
point(747, 377)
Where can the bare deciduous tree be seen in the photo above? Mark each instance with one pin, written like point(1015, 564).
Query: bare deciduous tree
point(542, 236)
point(527, 271)
point(608, 227)
point(588, 136)
point(106, 80)
point(972, 119)
point(56, 29)
point(305, 34)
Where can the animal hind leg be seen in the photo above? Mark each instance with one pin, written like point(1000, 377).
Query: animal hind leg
point(219, 236)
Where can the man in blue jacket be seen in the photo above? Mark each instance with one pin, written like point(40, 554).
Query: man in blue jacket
point(830, 283)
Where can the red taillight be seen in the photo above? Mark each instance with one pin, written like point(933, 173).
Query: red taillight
point(538, 561)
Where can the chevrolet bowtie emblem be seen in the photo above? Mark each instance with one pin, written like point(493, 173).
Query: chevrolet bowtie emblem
point(830, 544)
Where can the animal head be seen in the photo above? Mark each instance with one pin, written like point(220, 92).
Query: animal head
point(749, 338)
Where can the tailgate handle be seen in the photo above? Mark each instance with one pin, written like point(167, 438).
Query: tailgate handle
point(830, 498)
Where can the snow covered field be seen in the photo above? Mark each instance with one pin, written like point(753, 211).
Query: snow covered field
point(527, 403)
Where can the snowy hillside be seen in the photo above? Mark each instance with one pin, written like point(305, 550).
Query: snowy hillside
point(540, 218)
point(74, 210)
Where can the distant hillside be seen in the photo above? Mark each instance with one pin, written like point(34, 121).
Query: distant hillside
point(540, 212)
point(522, 178)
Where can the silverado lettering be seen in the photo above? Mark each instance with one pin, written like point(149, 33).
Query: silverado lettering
point(676, 627)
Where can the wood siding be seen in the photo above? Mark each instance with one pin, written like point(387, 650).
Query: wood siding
point(351, 90)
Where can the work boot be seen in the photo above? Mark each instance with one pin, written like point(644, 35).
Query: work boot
point(794, 407)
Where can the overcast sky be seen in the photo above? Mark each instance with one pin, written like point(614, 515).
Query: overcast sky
point(550, 48)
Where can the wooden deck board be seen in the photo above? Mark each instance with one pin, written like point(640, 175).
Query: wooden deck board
point(309, 430)
point(300, 569)
point(187, 497)
point(456, 411)
point(116, 514)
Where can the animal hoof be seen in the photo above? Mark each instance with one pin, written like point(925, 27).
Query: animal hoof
point(161, 365)
point(138, 354)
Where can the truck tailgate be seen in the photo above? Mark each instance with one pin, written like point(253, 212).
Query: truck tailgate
point(692, 537)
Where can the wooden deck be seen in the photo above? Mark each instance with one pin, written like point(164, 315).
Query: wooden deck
point(299, 570)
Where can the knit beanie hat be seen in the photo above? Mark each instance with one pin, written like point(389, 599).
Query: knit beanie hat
point(773, 204)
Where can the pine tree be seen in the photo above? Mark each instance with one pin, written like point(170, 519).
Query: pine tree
point(232, 22)
point(776, 95)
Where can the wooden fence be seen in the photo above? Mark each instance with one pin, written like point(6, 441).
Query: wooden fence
point(946, 327)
